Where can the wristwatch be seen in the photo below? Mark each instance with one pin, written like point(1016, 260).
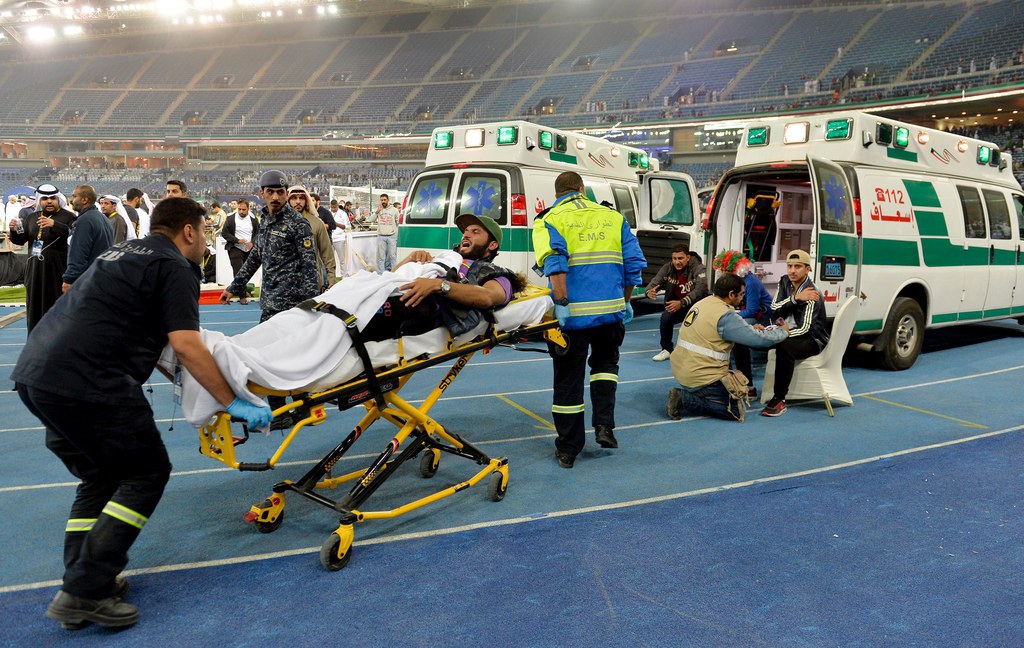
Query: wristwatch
point(446, 287)
point(564, 301)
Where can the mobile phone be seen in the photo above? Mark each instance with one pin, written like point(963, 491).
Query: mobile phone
point(779, 321)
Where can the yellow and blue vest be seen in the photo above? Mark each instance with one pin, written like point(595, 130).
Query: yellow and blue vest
point(598, 252)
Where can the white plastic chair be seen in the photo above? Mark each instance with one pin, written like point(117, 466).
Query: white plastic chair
point(820, 376)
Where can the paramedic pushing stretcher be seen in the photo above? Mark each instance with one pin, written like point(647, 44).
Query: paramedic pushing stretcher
point(457, 301)
point(81, 373)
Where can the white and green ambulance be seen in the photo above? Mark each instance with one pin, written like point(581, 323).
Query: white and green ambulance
point(927, 224)
point(507, 171)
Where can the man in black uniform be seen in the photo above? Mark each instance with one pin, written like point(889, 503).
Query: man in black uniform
point(110, 328)
point(45, 235)
point(284, 247)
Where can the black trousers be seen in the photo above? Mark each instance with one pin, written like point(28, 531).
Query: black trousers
point(117, 453)
point(237, 258)
point(602, 344)
point(787, 353)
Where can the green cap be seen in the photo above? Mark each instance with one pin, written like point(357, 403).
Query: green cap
point(462, 221)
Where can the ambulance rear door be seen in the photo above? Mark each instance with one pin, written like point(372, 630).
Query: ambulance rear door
point(836, 249)
point(669, 214)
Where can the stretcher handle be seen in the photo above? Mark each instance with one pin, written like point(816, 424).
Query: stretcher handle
point(255, 467)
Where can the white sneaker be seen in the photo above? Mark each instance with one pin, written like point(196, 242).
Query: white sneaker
point(662, 356)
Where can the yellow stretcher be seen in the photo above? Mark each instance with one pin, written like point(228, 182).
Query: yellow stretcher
point(378, 391)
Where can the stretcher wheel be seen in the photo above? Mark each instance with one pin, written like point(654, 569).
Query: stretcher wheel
point(495, 490)
point(269, 527)
point(429, 461)
point(330, 549)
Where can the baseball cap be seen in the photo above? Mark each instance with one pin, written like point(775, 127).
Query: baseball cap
point(799, 256)
point(273, 178)
point(462, 221)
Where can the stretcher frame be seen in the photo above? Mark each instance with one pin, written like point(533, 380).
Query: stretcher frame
point(378, 392)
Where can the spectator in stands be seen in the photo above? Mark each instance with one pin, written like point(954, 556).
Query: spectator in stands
point(45, 232)
point(300, 200)
point(91, 234)
point(684, 281)
point(175, 189)
point(133, 200)
point(324, 214)
point(386, 217)
point(123, 228)
point(240, 230)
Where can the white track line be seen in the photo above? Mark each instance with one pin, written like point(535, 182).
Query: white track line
point(527, 519)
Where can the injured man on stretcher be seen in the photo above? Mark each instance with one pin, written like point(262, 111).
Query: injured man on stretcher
point(423, 301)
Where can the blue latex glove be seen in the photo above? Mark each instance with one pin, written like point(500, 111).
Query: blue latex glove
point(561, 314)
point(628, 317)
point(256, 416)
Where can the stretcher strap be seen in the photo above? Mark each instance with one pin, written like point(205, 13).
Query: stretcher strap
point(357, 342)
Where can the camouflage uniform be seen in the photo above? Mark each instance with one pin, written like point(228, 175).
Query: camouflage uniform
point(284, 247)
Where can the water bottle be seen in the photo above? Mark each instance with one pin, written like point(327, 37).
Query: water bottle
point(20, 227)
point(37, 248)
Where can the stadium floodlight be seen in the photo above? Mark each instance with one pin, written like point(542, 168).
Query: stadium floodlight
point(73, 30)
point(40, 34)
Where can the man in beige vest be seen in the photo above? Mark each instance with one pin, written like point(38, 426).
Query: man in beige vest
point(701, 356)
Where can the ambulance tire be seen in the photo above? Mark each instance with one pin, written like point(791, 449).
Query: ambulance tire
point(905, 334)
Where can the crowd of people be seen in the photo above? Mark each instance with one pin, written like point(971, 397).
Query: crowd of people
point(119, 302)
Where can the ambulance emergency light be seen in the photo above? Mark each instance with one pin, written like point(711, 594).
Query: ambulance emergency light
point(758, 136)
point(443, 139)
point(508, 135)
point(545, 139)
point(902, 137)
point(795, 133)
point(984, 155)
point(883, 134)
point(838, 129)
point(474, 138)
point(561, 143)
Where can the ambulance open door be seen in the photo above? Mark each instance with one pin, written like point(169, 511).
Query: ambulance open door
point(836, 248)
point(669, 215)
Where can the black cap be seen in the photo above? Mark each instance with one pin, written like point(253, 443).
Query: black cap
point(273, 178)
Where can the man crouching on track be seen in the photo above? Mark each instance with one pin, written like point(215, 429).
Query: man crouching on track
point(458, 299)
point(81, 373)
point(700, 360)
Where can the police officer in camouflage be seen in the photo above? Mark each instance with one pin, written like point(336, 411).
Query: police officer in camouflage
point(284, 247)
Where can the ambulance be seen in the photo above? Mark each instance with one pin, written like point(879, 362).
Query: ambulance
point(507, 171)
point(926, 224)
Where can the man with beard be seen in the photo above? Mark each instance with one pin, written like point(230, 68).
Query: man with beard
point(133, 205)
point(45, 233)
point(91, 234)
point(111, 208)
point(456, 301)
point(300, 200)
point(239, 232)
point(284, 247)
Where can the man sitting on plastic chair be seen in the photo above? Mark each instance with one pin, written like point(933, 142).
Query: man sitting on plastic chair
point(799, 304)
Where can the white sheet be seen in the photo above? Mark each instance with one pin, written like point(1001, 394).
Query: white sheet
point(303, 350)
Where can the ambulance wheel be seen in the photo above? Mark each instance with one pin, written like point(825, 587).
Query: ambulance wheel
point(269, 527)
point(329, 553)
point(429, 461)
point(495, 491)
point(906, 334)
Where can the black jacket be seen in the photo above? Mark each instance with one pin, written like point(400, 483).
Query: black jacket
point(228, 231)
point(809, 317)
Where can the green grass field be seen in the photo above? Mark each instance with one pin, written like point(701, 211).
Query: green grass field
point(15, 295)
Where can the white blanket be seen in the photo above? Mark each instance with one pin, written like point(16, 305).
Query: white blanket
point(309, 351)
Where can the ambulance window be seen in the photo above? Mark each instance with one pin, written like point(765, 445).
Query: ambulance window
point(1018, 205)
point(974, 216)
point(429, 199)
point(998, 215)
point(483, 194)
point(834, 200)
point(671, 202)
point(624, 204)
